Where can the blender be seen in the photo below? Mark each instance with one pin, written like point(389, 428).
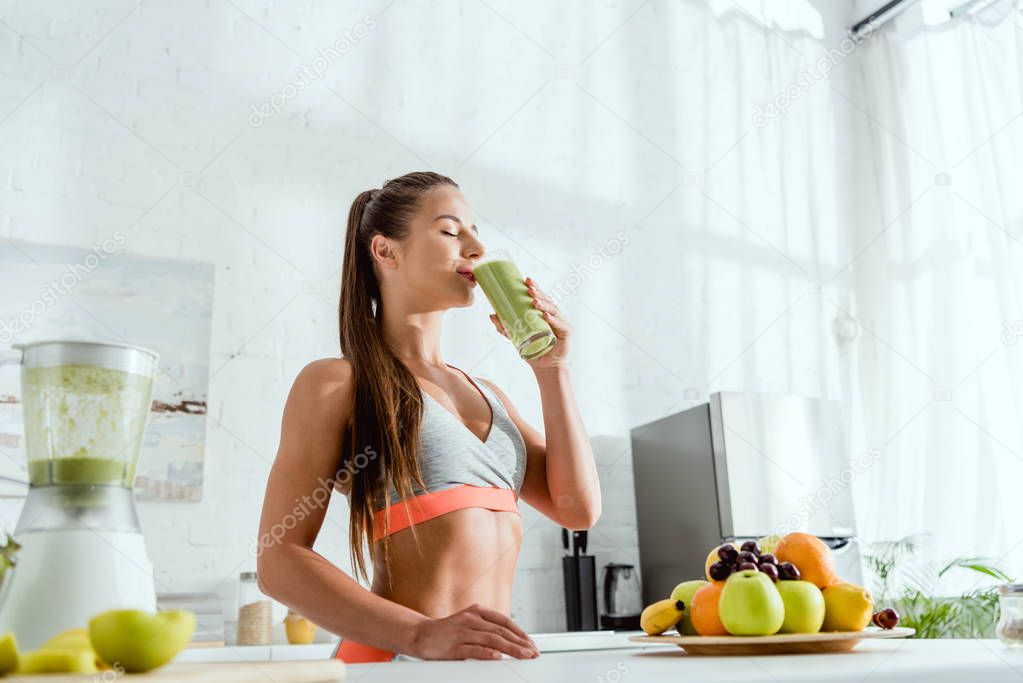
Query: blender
point(82, 550)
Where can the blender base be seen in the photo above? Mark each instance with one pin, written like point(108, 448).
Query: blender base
point(65, 577)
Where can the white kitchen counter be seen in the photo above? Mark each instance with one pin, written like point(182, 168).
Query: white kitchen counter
point(901, 661)
point(545, 642)
point(611, 658)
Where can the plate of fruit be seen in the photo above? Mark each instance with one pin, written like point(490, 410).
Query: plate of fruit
point(778, 595)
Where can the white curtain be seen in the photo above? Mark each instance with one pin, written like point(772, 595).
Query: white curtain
point(937, 361)
point(923, 121)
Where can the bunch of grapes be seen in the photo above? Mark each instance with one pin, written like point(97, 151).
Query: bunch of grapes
point(749, 557)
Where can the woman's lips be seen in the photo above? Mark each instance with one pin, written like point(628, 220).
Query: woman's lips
point(467, 274)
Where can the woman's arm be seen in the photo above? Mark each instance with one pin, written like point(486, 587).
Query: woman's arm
point(561, 476)
point(295, 506)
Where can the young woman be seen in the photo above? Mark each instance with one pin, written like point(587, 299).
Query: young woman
point(432, 461)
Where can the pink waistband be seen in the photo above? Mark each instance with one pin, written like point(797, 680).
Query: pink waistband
point(351, 652)
point(430, 505)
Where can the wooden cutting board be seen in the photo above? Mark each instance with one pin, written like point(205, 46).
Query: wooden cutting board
point(315, 671)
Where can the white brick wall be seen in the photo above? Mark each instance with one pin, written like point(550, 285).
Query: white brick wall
point(117, 116)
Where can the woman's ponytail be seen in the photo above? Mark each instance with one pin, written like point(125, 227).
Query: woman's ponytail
point(388, 403)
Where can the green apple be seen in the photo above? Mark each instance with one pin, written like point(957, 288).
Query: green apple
point(684, 592)
point(804, 606)
point(55, 661)
point(750, 605)
point(8, 654)
point(140, 641)
point(73, 639)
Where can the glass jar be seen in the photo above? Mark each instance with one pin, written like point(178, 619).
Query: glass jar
point(1010, 624)
point(255, 618)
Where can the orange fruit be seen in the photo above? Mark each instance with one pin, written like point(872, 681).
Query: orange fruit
point(712, 557)
point(703, 611)
point(811, 555)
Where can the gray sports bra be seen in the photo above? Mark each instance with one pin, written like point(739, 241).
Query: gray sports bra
point(451, 455)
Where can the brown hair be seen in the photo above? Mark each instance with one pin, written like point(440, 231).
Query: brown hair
point(388, 405)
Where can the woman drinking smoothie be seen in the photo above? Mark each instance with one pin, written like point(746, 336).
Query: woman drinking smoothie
point(433, 461)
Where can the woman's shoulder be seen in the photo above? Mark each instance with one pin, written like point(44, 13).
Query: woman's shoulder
point(328, 369)
point(324, 378)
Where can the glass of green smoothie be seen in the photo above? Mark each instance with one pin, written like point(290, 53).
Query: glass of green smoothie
point(506, 291)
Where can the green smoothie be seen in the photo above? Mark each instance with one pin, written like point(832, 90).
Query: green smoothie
point(77, 471)
point(503, 285)
point(83, 424)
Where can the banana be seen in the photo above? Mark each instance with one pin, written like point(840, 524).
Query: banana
point(661, 615)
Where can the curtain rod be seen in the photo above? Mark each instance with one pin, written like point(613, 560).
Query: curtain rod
point(880, 17)
point(894, 8)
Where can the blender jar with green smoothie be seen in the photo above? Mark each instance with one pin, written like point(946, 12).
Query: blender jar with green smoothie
point(85, 408)
point(82, 551)
point(506, 291)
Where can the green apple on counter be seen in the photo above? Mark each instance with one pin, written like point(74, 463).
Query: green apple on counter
point(684, 592)
point(804, 606)
point(53, 661)
point(140, 641)
point(750, 605)
point(73, 639)
point(8, 654)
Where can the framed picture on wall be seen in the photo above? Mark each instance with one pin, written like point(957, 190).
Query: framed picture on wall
point(103, 294)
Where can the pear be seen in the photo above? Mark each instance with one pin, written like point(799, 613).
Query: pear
point(140, 641)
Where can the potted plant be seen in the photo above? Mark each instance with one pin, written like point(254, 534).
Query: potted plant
point(919, 599)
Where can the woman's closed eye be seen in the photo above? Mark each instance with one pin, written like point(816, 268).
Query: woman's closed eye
point(452, 234)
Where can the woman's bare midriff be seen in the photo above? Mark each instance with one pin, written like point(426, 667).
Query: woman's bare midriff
point(467, 556)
